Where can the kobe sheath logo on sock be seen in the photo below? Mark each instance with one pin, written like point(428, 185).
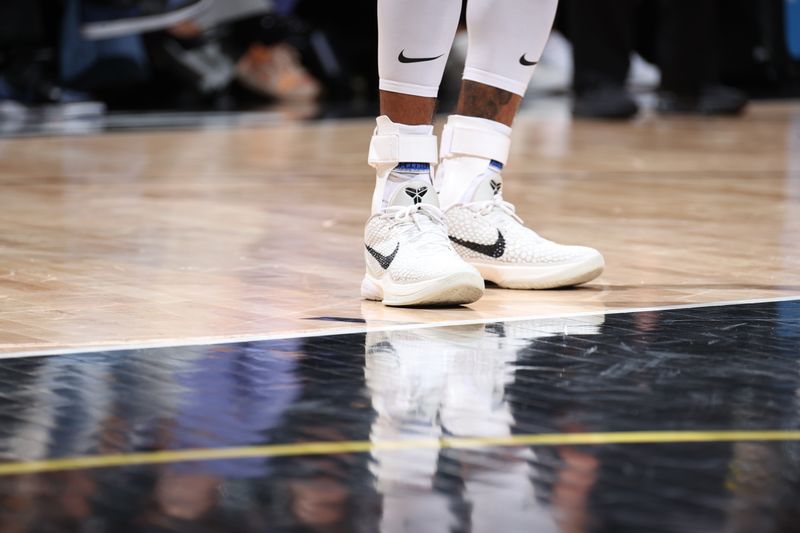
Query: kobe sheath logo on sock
point(497, 249)
point(405, 59)
point(383, 260)
point(416, 193)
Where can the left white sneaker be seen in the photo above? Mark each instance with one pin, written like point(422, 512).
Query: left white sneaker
point(409, 258)
point(489, 235)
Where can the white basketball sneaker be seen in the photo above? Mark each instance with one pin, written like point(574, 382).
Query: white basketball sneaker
point(485, 229)
point(409, 257)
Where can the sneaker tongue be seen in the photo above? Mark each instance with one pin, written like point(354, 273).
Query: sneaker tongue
point(418, 190)
point(490, 185)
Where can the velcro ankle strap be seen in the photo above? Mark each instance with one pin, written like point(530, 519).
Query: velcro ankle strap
point(463, 140)
point(392, 149)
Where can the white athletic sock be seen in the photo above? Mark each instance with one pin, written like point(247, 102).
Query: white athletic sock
point(471, 148)
point(403, 173)
point(400, 153)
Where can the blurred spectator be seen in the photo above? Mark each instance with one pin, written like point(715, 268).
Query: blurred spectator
point(104, 19)
point(70, 58)
point(342, 46)
point(678, 36)
point(31, 87)
point(151, 54)
point(236, 39)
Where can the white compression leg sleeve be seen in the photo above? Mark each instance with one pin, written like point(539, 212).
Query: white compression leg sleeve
point(414, 40)
point(506, 40)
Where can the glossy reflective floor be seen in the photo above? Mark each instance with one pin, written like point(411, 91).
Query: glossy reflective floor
point(675, 421)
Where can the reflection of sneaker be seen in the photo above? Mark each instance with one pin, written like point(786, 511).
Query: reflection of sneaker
point(423, 379)
point(108, 19)
point(435, 383)
point(276, 72)
point(491, 237)
point(524, 331)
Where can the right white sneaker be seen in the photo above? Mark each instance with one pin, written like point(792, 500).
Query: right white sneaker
point(491, 237)
point(410, 260)
point(485, 228)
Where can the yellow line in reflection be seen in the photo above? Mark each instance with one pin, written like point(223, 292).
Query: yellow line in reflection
point(328, 448)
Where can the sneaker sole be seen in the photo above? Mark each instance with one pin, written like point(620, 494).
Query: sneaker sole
point(455, 289)
point(541, 277)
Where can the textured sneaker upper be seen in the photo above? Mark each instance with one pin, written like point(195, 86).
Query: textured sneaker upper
point(408, 241)
point(487, 230)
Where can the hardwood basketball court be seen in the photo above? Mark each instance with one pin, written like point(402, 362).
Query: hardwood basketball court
point(181, 237)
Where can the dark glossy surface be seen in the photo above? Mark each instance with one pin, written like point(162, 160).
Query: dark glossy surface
point(735, 367)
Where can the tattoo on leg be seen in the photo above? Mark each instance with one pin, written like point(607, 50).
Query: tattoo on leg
point(484, 101)
point(407, 109)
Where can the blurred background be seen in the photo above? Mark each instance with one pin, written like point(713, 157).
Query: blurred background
point(98, 63)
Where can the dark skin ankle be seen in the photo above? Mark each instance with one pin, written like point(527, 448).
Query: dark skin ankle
point(408, 109)
point(484, 101)
point(474, 100)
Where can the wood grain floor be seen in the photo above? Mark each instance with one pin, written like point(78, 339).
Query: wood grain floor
point(182, 236)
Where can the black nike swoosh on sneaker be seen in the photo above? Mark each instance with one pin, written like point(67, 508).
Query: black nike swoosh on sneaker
point(383, 260)
point(525, 63)
point(403, 59)
point(492, 250)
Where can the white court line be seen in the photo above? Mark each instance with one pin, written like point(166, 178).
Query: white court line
point(208, 341)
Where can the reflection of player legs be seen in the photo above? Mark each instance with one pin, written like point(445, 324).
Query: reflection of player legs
point(505, 476)
point(474, 406)
point(500, 474)
point(429, 382)
point(506, 38)
point(406, 384)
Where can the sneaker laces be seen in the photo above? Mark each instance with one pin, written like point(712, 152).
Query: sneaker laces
point(414, 213)
point(426, 218)
point(497, 203)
